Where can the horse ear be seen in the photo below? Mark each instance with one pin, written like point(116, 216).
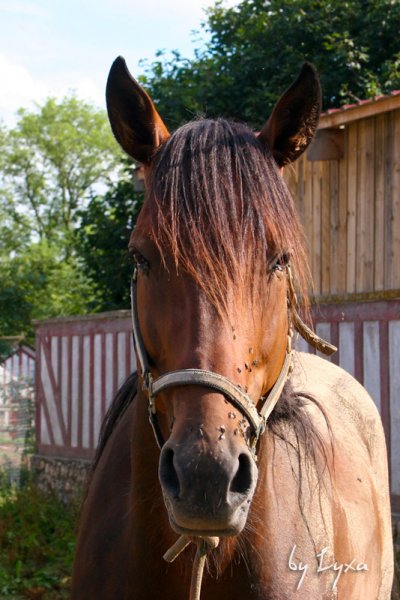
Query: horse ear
point(134, 120)
point(294, 120)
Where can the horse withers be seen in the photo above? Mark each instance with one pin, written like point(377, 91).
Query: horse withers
point(279, 455)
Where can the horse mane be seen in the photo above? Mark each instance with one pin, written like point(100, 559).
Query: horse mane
point(219, 203)
point(122, 400)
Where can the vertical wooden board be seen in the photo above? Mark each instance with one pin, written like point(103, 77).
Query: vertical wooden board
point(346, 347)
point(300, 344)
point(395, 253)
point(389, 163)
point(298, 193)
point(133, 356)
point(64, 391)
point(324, 331)
point(86, 393)
point(54, 355)
point(334, 249)
point(340, 257)
point(291, 177)
point(379, 207)
point(316, 226)
point(328, 198)
point(98, 392)
point(75, 390)
point(384, 377)
point(109, 368)
point(394, 386)
point(121, 345)
point(372, 380)
point(365, 206)
point(308, 210)
point(352, 140)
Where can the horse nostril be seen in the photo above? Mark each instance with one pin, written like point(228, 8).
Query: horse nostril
point(167, 473)
point(243, 479)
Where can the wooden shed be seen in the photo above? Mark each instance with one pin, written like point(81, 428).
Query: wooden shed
point(347, 190)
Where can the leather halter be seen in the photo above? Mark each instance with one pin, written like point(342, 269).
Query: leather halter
point(214, 381)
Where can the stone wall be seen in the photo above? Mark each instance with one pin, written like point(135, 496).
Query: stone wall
point(65, 477)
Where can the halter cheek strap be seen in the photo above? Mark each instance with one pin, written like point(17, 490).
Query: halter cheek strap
point(214, 381)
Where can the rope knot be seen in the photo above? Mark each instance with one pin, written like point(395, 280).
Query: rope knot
point(204, 545)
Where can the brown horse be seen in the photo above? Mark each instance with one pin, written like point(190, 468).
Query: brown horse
point(279, 454)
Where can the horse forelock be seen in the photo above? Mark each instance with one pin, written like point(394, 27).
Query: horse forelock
point(219, 205)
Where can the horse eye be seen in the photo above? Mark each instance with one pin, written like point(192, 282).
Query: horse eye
point(140, 261)
point(281, 262)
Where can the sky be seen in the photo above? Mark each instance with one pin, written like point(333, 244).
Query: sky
point(49, 47)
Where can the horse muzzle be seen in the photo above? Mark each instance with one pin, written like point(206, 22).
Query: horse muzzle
point(207, 490)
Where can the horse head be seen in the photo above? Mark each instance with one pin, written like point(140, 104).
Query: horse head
point(213, 292)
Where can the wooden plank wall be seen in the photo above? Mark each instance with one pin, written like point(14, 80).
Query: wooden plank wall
point(350, 210)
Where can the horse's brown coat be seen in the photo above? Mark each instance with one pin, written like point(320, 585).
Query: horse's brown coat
point(215, 298)
point(353, 499)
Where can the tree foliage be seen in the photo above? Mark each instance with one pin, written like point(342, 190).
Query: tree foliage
point(36, 284)
point(103, 241)
point(256, 49)
point(50, 163)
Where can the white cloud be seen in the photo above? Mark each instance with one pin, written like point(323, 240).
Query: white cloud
point(48, 48)
point(21, 89)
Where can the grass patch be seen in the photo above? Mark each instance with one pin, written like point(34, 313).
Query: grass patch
point(37, 543)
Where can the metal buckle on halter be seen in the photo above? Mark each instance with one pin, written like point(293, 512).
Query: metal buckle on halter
point(148, 386)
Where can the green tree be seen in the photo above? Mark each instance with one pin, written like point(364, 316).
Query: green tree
point(36, 284)
point(256, 48)
point(103, 237)
point(50, 164)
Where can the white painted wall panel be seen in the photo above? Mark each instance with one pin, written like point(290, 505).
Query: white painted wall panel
point(74, 391)
point(346, 347)
point(372, 379)
point(300, 343)
point(64, 377)
point(324, 331)
point(86, 392)
point(97, 386)
point(54, 356)
point(121, 357)
point(133, 355)
point(109, 369)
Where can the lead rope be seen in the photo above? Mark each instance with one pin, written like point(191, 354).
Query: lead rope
point(204, 545)
point(207, 544)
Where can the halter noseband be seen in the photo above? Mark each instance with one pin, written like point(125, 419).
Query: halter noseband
point(214, 381)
